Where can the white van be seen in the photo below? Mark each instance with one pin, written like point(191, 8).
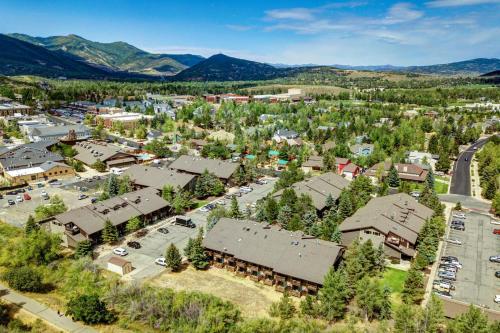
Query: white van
point(116, 171)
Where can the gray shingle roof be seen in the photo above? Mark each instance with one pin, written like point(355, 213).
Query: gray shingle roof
point(90, 152)
point(285, 252)
point(319, 187)
point(150, 176)
point(31, 154)
point(397, 213)
point(59, 130)
point(405, 171)
point(197, 165)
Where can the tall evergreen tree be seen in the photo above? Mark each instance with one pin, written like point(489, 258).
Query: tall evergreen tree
point(235, 209)
point(173, 258)
point(285, 216)
point(84, 249)
point(345, 206)
point(113, 186)
point(413, 289)
point(393, 177)
point(109, 233)
point(31, 225)
point(334, 294)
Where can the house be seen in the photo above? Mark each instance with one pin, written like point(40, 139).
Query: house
point(224, 170)
point(43, 133)
point(351, 171)
point(395, 221)
point(44, 171)
point(154, 177)
point(362, 149)
point(198, 144)
point(9, 108)
point(409, 172)
point(28, 155)
point(113, 156)
point(341, 163)
point(164, 108)
point(284, 135)
point(119, 265)
point(314, 163)
point(319, 188)
point(87, 222)
point(290, 261)
point(422, 159)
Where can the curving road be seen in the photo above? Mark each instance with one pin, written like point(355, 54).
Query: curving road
point(460, 181)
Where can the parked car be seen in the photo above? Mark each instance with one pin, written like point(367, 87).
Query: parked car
point(496, 231)
point(452, 263)
point(93, 200)
point(82, 196)
point(134, 245)
point(444, 284)
point(449, 258)
point(161, 261)
point(497, 298)
point(141, 233)
point(120, 251)
point(55, 180)
point(458, 227)
point(19, 198)
point(495, 259)
point(246, 189)
point(39, 185)
point(454, 241)
point(459, 215)
point(163, 230)
point(29, 188)
point(415, 194)
point(184, 221)
point(12, 192)
point(442, 293)
point(11, 202)
point(26, 196)
point(56, 183)
point(221, 202)
point(21, 190)
point(261, 181)
point(204, 209)
point(458, 222)
point(497, 274)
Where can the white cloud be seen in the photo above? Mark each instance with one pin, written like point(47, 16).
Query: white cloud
point(402, 12)
point(458, 3)
point(300, 14)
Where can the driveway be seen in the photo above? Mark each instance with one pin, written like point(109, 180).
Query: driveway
point(460, 181)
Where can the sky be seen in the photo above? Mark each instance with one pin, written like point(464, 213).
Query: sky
point(364, 32)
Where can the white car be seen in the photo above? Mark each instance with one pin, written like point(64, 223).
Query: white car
point(161, 261)
point(497, 298)
point(19, 198)
point(246, 189)
point(120, 251)
point(221, 202)
point(459, 215)
point(204, 209)
point(454, 241)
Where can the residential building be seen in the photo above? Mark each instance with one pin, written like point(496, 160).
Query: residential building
point(351, 171)
point(362, 149)
point(113, 156)
point(28, 155)
point(165, 108)
point(44, 171)
point(291, 261)
point(151, 176)
point(9, 108)
point(319, 188)
point(45, 133)
point(314, 163)
point(409, 172)
point(395, 221)
point(422, 159)
point(224, 170)
point(87, 222)
point(284, 135)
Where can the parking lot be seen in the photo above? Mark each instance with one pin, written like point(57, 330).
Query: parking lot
point(154, 244)
point(475, 281)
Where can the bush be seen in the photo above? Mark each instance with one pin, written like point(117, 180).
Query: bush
point(24, 279)
point(89, 309)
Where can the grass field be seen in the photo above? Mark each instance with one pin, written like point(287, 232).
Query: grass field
point(441, 188)
point(395, 279)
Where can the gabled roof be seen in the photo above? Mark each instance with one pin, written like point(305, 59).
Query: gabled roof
point(314, 162)
point(59, 130)
point(351, 167)
point(289, 253)
point(397, 213)
point(197, 165)
point(405, 171)
point(150, 176)
point(29, 155)
point(319, 187)
point(89, 152)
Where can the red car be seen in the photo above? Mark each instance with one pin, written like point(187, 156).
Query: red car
point(496, 231)
point(26, 196)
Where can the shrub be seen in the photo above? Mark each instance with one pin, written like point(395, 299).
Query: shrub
point(89, 309)
point(24, 279)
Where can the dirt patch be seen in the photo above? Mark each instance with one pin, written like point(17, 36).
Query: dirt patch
point(253, 298)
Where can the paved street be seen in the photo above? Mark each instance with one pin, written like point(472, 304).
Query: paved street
point(476, 282)
point(460, 181)
point(154, 244)
point(43, 312)
point(466, 201)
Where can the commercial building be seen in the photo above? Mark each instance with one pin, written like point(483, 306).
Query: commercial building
point(89, 152)
point(127, 119)
point(319, 188)
point(44, 133)
point(290, 261)
point(395, 221)
point(44, 171)
point(88, 222)
point(28, 155)
point(154, 177)
point(224, 170)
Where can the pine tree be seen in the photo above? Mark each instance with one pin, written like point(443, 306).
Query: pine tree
point(490, 189)
point(84, 249)
point(413, 289)
point(109, 233)
point(134, 224)
point(393, 177)
point(167, 193)
point(458, 206)
point(198, 256)
point(404, 319)
point(432, 316)
point(235, 209)
point(113, 187)
point(271, 210)
point(345, 206)
point(173, 258)
point(284, 216)
point(31, 225)
point(443, 163)
point(310, 217)
point(336, 235)
point(189, 248)
point(429, 179)
point(474, 320)
point(368, 257)
point(329, 202)
point(334, 294)
point(284, 308)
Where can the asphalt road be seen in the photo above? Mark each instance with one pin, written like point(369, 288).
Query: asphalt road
point(460, 181)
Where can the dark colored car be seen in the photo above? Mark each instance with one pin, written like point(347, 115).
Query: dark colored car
point(11, 202)
point(1, 196)
point(30, 188)
point(163, 230)
point(497, 274)
point(458, 227)
point(12, 192)
point(53, 181)
point(141, 233)
point(134, 245)
point(93, 200)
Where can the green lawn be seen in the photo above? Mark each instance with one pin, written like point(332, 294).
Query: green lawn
point(443, 178)
point(394, 279)
point(441, 188)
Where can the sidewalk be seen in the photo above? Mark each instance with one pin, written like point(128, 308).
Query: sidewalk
point(43, 312)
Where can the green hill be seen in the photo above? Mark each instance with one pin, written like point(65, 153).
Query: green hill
point(117, 56)
point(468, 67)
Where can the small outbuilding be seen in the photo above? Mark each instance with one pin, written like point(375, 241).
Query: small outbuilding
point(119, 265)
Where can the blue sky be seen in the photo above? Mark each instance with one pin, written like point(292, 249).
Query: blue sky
point(363, 32)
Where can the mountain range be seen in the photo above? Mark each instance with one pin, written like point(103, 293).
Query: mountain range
point(75, 57)
point(118, 56)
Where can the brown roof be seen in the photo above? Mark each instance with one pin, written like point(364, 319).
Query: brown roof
point(314, 162)
point(150, 176)
point(319, 187)
point(351, 167)
point(89, 152)
point(405, 171)
point(288, 253)
point(118, 261)
point(453, 308)
point(399, 214)
point(341, 160)
point(197, 165)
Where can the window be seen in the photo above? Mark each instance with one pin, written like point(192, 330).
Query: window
point(368, 232)
point(376, 233)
